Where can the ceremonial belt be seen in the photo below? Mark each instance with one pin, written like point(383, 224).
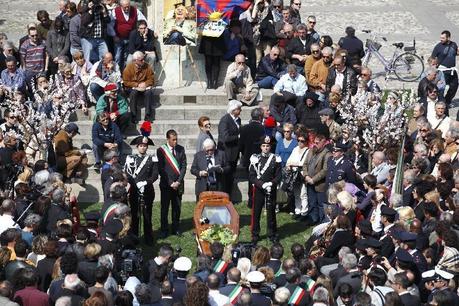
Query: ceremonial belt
point(171, 159)
point(233, 296)
point(142, 164)
point(268, 162)
point(297, 295)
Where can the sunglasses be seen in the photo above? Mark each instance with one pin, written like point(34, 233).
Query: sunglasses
point(287, 131)
point(315, 51)
point(275, 54)
point(423, 130)
point(297, 4)
point(364, 74)
point(302, 140)
point(208, 125)
point(12, 117)
point(36, 35)
point(312, 22)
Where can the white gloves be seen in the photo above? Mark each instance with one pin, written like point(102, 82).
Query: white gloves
point(141, 186)
point(267, 186)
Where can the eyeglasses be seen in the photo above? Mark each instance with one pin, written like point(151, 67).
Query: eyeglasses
point(315, 51)
point(59, 98)
point(365, 74)
point(12, 117)
point(302, 140)
point(424, 130)
point(36, 35)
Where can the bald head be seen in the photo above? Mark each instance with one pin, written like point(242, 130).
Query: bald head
point(234, 275)
point(240, 58)
point(378, 158)
point(213, 281)
point(416, 226)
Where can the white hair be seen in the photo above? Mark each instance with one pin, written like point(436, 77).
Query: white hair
point(64, 301)
point(137, 55)
point(232, 105)
point(281, 295)
point(244, 265)
point(71, 281)
point(208, 143)
point(41, 177)
point(349, 261)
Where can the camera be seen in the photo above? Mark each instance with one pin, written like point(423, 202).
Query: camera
point(131, 262)
point(242, 249)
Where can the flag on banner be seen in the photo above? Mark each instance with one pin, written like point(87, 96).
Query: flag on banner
point(221, 9)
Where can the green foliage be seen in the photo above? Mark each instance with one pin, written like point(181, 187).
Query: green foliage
point(220, 233)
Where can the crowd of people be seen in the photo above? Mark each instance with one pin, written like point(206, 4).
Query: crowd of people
point(374, 174)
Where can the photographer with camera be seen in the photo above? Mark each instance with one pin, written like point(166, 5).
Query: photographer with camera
point(165, 256)
point(93, 29)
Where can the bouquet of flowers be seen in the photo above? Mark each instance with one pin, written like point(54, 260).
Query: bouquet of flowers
point(220, 233)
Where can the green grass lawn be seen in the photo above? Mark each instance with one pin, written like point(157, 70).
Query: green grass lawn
point(289, 230)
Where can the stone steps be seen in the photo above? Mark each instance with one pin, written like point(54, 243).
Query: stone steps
point(175, 112)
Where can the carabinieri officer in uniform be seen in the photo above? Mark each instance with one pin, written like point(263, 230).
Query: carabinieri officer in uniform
point(264, 176)
point(143, 168)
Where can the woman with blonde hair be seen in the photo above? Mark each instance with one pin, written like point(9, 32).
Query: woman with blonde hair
point(406, 216)
point(38, 249)
point(87, 267)
point(347, 203)
point(325, 282)
point(245, 266)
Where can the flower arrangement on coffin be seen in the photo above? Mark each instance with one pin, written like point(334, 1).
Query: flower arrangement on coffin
point(220, 233)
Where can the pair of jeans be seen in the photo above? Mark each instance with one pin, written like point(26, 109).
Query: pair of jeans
point(96, 90)
point(121, 52)
point(93, 49)
point(315, 203)
point(267, 82)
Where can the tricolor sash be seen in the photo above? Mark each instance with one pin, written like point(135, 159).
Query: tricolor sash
point(220, 266)
point(171, 159)
point(109, 212)
point(296, 296)
point(279, 272)
point(233, 296)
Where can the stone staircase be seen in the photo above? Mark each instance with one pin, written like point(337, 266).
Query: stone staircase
point(179, 109)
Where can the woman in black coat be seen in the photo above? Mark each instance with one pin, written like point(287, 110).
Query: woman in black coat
point(87, 267)
point(343, 236)
point(46, 265)
point(213, 48)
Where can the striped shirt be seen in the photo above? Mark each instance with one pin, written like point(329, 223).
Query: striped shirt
point(33, 55)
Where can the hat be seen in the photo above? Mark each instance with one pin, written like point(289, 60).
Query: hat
point(311, 95)
point(72, 128)
point(265, 140)
point(92, 216)
point(394, 95)
point(365, 227)
point(436, 274)
point(110, 87)
point(387, 211)
point(255, 277)
point(373, 243)
point(326, 112)
point(360, 244)
point(405, 236)
point(339, 147)
point(182, 264)
point(270, 122)
point(403, 255)
point(113, 226)
point(142, 140)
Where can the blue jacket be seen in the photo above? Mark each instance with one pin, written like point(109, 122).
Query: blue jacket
point(112, 134)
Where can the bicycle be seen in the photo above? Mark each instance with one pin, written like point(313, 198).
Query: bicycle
point(405, 63)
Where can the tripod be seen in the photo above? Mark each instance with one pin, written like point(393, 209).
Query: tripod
point(193, 64)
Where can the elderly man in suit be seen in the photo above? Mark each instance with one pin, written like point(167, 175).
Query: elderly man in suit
point(228, 140)
point(172, 169)
point(209, 166)
point(239, 83)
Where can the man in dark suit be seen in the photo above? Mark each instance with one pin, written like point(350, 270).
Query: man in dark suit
point(352, 275)
point(234, 277)
point(172, 168)
point(349, 78)
point(209, 166)
point(388, 215)
point(166, 294)
point(400, 285)
point(408, 185)
point(182, 266)
point(301, 296)
point(276, 252)
point(228, 140)
point(339, 167)
point(250, 134)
